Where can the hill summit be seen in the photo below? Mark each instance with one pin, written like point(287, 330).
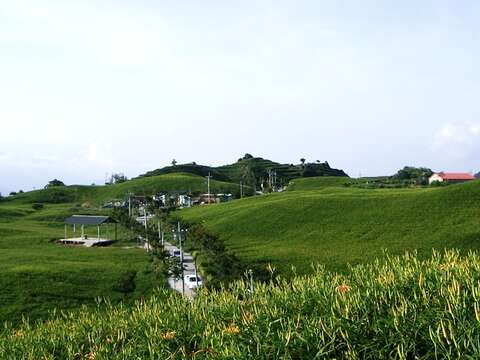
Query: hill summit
point(253, 171)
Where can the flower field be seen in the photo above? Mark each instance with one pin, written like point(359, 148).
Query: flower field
point(396, 307)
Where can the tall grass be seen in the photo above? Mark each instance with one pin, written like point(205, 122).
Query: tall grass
point(399, 307)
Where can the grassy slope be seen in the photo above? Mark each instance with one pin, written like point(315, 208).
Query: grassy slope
point(140, 186)
point(37, 275)
point(337, 225)
point(317, 183)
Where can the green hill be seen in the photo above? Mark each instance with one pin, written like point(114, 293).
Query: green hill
point(337, 226)
point(141, 186)
point(248, 168)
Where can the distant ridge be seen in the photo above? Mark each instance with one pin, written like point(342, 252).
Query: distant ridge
point(249, 168)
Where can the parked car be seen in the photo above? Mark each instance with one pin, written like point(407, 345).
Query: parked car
point(192, 281)
point(176, 253)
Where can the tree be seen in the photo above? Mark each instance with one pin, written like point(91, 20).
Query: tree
point(174, 162)
point(247, 156)
point(413, 173)
point(302, 160)
point(309, 171)
point(53, 183)
point(117, 178)
point(418, 175)
point(477, 175)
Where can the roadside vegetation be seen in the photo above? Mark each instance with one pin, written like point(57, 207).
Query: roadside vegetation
point(394, 308)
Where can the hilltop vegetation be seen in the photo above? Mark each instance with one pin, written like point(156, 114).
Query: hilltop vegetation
point(338, 225)
point(396, 308)
point(253, 171)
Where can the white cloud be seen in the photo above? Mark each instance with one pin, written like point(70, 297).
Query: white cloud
point(458, 140)
point(460, 133)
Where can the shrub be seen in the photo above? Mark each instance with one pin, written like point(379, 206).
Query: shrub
point(37, 206)
point(126, 282)
point(54, 183)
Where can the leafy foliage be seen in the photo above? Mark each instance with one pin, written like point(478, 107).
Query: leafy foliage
point(251, 170)
point(53, 183)
point(37, 206)
point(420, 175)
point(401, 308)
point(117, 178)
point(126, 283)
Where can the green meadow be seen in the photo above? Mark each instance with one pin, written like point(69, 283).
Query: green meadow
point(37, 275)
point(320, 221)
point(396, 308)
point(317, 221)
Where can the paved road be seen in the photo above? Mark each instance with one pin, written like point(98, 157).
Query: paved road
point(189, 269)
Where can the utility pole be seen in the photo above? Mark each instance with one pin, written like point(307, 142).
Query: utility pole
point(146, 226)
point(129, 204)
point(208, 187)
point(196, 275)
point(181, 257)
point(241, 190)
point(160, 238)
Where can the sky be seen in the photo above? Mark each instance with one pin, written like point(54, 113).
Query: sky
point(88, 87)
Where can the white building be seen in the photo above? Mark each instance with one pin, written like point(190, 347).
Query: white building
point(450, 177)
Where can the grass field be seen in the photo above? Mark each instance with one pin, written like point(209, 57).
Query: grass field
point(37, 275)
point(396, 308)
point(318, 220)
point(334, 225)
point(318, 183)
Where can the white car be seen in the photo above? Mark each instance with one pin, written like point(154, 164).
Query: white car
point(192, 281)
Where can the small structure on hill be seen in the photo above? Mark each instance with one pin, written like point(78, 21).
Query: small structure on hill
point(88, 220)
point(450, 177)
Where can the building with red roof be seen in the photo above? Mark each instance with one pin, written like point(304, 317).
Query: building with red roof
point(450, 177)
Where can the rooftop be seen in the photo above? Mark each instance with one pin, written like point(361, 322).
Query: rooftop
point(88, 220)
